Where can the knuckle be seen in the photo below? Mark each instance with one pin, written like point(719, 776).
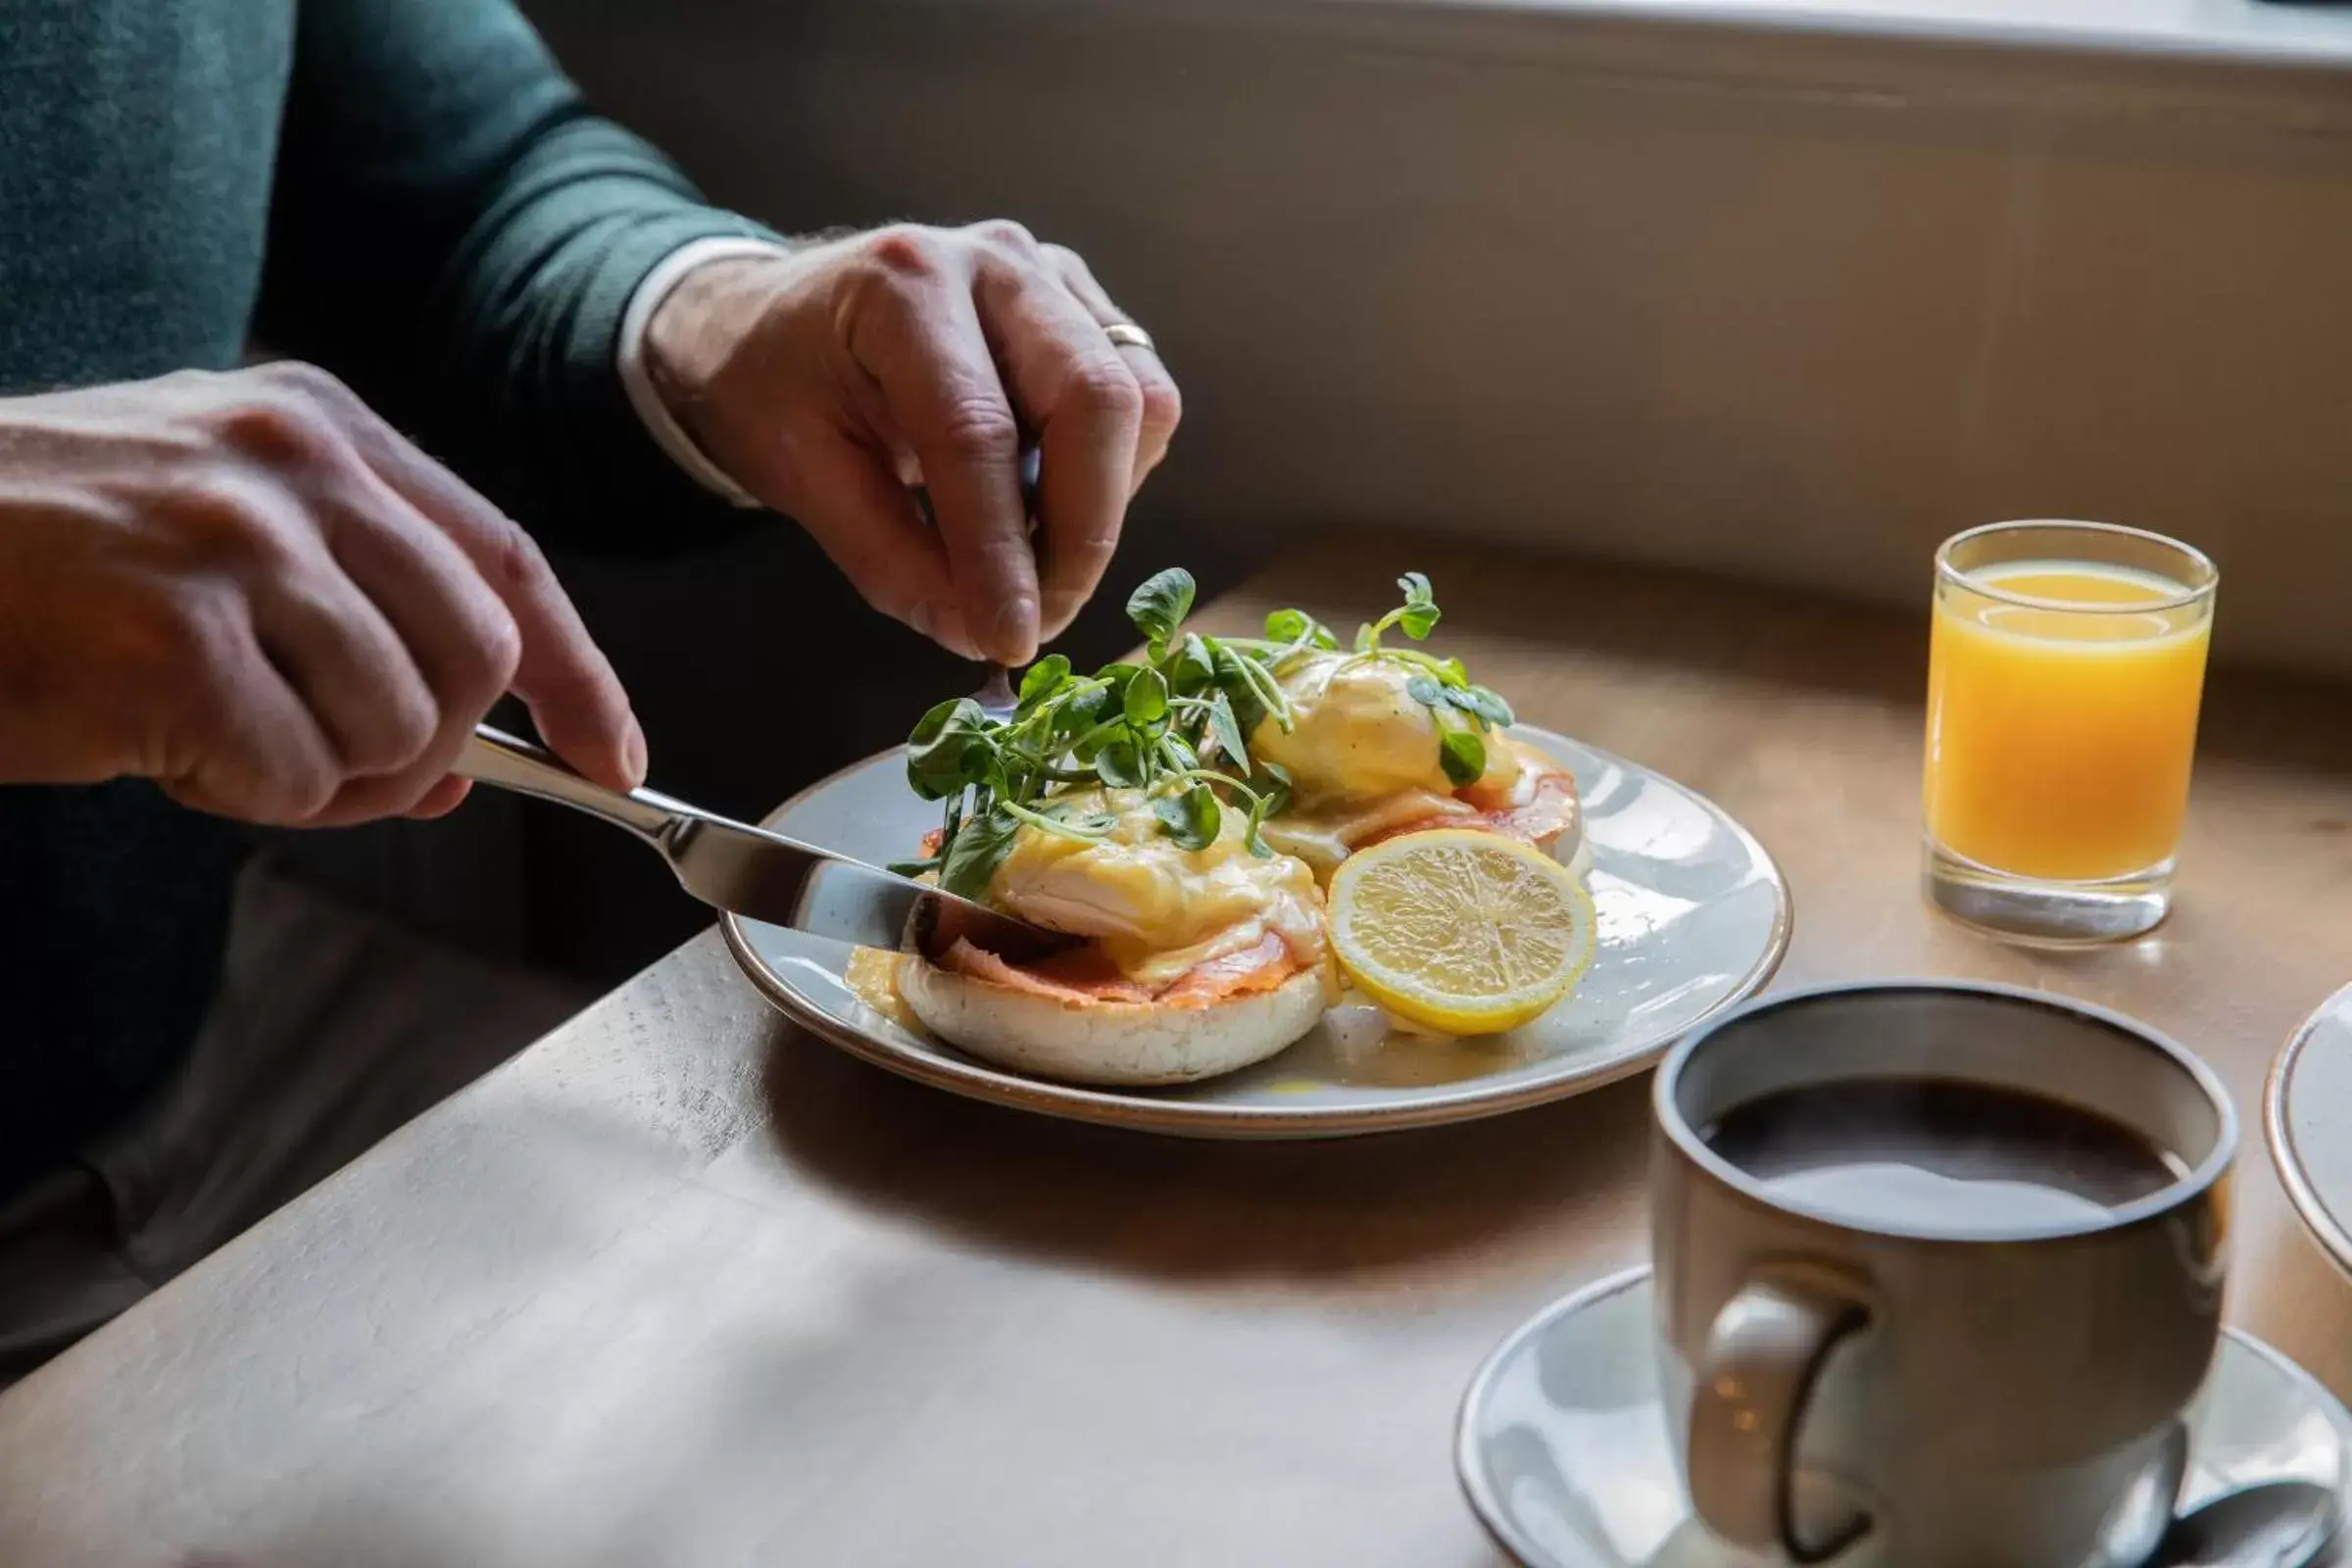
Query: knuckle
point(1006, 234)
point(905, 251)
point(225, 524)
point(403, 723)
point(516, 565)
point(1006, 560)
point(490, 651)
point(273, 428)
point(1110, 390)
point(412, 721)
point(210, 630)
point(182, 653)
point(308, 784)
point(977, 431)
point(1164, 405)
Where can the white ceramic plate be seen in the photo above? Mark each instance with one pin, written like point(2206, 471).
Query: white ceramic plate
point(1564, 1451)
point(1693, 917)
point(2307, 1120)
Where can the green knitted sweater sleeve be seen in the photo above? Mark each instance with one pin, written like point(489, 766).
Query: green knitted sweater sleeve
point(454, 234)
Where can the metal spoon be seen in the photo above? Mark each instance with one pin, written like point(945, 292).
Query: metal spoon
point(2272, 1524)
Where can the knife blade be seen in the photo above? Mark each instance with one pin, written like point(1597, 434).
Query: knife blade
point(759, 875)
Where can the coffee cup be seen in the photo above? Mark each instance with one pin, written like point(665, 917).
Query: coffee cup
point(1938, 1268)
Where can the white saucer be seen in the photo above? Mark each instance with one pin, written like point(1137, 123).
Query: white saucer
point(1693, 917)
point(2306, 1111)
point(1562, 1445)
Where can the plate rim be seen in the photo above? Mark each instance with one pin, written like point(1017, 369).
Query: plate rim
point(1488, 1511)
point(1188, 1119)
point(2278, 1136)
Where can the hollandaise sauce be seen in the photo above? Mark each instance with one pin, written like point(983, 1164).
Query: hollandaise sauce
point(872, 976)
point(1155, 909)
point(1363, 752)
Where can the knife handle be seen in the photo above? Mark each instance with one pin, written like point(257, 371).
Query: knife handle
point(493, 756)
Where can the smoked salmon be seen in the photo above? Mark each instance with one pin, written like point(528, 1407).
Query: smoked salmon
point(1084, 976)
point(1550, 809)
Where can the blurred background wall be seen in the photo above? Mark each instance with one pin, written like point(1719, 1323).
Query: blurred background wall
point(1778, 301)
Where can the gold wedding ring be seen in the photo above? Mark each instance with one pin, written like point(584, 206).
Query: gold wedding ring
point(1128, 335)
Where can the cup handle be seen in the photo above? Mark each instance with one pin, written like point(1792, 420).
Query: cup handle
point(1763, 1353)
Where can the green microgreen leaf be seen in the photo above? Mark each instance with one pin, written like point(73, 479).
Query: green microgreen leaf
point(1262, 806)
point(1061, 824)
point(950, 751)
point(1119, 764)
point(1193, 669)
point(1192, 817)
point(1298, 628)
point(1489, 705)
point(1159, 607)
point(1464, 755)
point(1419, 617)
point(1046, 677)
point(1146, 699)
point(1249, 686)
point(1086, 706)
point(1225, 728)
point(979, 849)
point(1416, 618)
point(1272, 780)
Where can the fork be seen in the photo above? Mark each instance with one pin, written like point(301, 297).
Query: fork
point(996, 696)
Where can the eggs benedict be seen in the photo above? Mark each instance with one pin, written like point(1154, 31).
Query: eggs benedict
point(1089, 810)
point(1197, 960)
point(1181, 815)
point(1376, 742)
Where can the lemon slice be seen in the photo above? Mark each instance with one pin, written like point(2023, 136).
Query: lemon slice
point(1465, 932)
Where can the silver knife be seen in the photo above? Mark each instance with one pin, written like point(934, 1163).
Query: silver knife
point(759, 874)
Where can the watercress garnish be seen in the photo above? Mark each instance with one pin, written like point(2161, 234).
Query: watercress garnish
point(1143, 725)
point(1175, 724)
point(1416, 618)
point(1465, 712)
point(1159, 607)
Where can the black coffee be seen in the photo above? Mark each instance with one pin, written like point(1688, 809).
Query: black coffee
point(1938, 1155)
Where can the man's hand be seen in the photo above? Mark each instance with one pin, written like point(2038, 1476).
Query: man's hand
point(252, 590)
point(823, 382)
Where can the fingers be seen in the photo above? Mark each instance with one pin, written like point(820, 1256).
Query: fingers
point(345, 660)
point(575, 699)
point(919, 337)
point(442, 798)
point(862, 515)
point(465, 642)
point(1163, 405)
point(1087, 405)
point(251, 747)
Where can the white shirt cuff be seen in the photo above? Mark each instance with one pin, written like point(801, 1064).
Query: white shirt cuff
point(638, 383)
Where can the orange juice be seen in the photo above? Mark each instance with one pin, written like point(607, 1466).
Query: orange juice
point(2059, 735)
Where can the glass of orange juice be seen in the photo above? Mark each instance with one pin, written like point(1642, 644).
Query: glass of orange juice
point(2065, 668)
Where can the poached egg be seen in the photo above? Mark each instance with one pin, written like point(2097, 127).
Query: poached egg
point(1155, 909)
point(1362, 755)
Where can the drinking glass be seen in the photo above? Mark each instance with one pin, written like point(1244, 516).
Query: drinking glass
point(2067, 665)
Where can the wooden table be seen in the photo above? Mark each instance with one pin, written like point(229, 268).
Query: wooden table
point(681, 1286)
